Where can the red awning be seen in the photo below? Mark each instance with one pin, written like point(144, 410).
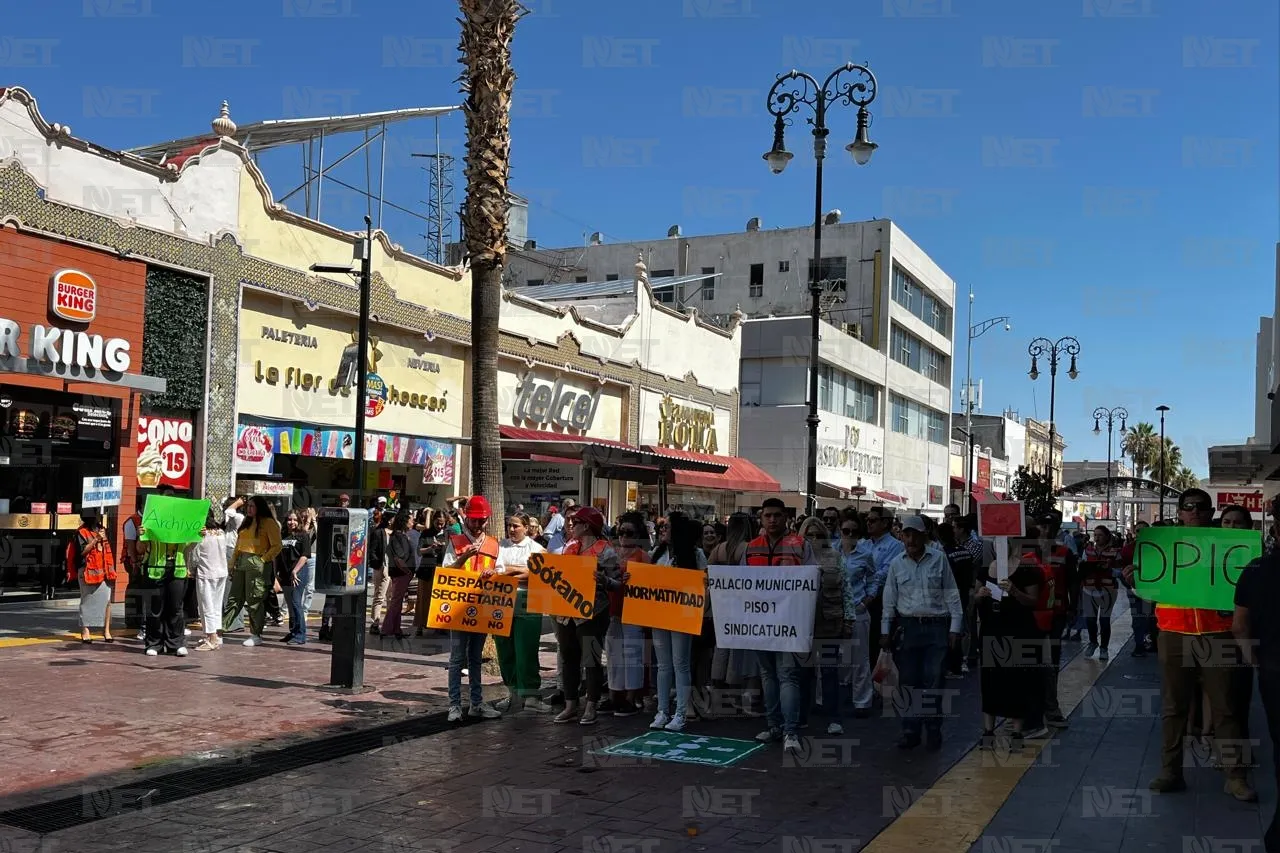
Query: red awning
point(741, 475)
point(891, 498)
point(957, 482)
point(599, 452)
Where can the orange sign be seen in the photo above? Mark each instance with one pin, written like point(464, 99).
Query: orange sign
point(1001, 518)
point(73, 296)
point(562, 585)
point(464, 601)
point(665, 597)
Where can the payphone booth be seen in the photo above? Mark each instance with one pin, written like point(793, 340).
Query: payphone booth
point(342, 538)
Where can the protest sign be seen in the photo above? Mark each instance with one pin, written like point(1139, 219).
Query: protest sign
point(766, 608)
point(562, 585)
point(1193, 566)
point(100, 492)
point(1000, 520)
point(175, 521)
point(463, 601)
point(665, 597)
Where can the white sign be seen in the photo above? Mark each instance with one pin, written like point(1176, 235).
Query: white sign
point(54, 346)
point(766, 608)
point(99, 492)
point(538, 478)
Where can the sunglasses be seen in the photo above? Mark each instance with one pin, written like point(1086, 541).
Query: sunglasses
point(1195, 507)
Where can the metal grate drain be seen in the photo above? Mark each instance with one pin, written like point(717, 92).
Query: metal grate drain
point(98, 804)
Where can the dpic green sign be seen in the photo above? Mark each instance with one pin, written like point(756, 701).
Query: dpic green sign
point(175, 521)
point(1193, 566)
point(685, 749)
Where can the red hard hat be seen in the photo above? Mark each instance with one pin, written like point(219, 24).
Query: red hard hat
point(591, 517)
point(478, 507)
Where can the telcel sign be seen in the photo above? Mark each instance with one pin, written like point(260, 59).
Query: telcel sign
point(73, 296)
point(543, 405)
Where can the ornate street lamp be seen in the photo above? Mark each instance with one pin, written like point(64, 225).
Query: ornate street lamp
point(1111, 415)
point(1042, 347)
point(975, 331)
point(1163, 474)
point(789, 94)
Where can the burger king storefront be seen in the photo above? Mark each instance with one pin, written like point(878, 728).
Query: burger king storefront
point(296, 397)
point(71, 334)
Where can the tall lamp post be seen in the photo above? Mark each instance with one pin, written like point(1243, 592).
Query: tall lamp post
point(975, 331)
point(346, 665)
point(1110, 415)
point(1163, 474)
point(1042, 347)
point(792, 91)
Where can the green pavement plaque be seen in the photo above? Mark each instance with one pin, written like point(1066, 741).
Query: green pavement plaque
point(683, 748)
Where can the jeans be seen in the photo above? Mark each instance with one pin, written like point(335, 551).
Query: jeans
point(921, 661)
point(780, 676)
point(1098, 603)
point(672, 650)
point(466, 652)
point(298, 601)
point(1143, 615)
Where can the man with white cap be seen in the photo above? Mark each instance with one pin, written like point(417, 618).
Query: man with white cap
point(921, 592)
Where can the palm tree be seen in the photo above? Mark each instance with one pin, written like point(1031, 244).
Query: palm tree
point(487, 81)
point(1172, 462)
point(1184, 478)
point(1142, 445)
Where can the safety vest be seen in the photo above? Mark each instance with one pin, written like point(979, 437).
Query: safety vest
point(1100, 561)
point(789, 551)
point(1052, 600)
point(486, 559)
point(1192, 620)
point(158, 558)
point(98, 565)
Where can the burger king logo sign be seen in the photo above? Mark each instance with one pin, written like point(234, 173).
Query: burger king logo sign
point(73, 296)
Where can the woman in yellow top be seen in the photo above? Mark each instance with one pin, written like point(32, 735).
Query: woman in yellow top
point(257, 544)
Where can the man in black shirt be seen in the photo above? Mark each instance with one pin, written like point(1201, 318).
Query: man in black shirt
point(1256, 625)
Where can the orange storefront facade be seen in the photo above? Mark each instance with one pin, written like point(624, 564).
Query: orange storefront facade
point(71, 334)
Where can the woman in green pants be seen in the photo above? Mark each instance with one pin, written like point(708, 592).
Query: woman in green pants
point(518, 652)
point(257, 543)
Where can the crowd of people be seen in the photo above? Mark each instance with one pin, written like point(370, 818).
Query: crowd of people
point(922, 593)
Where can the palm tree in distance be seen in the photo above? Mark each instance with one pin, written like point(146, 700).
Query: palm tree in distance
point(1172, 462)
point(1142, 445)
point(1184, 478)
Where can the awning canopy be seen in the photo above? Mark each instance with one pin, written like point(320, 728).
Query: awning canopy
point(597, 452)
point(891, 498)
point(739, 475)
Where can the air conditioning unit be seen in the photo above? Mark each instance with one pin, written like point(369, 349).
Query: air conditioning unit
point(853, 330)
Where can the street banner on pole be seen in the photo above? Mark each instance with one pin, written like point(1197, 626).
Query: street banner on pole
point(1193, 566)
point(766, 608)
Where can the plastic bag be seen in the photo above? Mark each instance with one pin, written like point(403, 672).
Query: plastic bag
point(886, 672)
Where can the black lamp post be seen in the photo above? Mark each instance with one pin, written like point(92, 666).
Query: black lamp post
point(1163, 473)
point(346, 665)
point(1110, 415)
point(792, 91)
point(1053, 349)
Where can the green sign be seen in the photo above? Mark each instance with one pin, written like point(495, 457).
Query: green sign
point(175, 521)
point(1193, 566)
point(685, 749)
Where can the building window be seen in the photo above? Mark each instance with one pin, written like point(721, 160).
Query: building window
point(662, 274)
point(784, 266)
point(833, 270)
point(911, 295)
point(580, 279)
point(534, 282)
point(613, 276)
point(909, 351)
point(845, 394)
point(708, 285)
point(917, 421)
point(666, 295)
point(755, 288)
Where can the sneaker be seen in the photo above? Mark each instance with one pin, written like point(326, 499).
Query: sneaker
point(1036, 733)
point(186, 632)
point(590, 714)
point(466, 673)
point(142, 636)
point(625, 709)
point(1167, 783)
point(253, 641)
point(1241, 790)
point(660, 721)
point(1090, 649)
point(835, 729)
point(503, 705)
point(769, 736)
point(182, 651)
point(964, 668)
point(567, 715)
point(484, 712)
point(152, 653)
point(791, 743)
point(534, 705)
point(295, 641)
point(677, 723)
point(455, 713)
point(1103, 654)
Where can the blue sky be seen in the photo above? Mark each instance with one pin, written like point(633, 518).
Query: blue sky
point(1101, 168)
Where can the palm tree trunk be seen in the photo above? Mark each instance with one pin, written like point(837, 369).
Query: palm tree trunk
point(487, 81)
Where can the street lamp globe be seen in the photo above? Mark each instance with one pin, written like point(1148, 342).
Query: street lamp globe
point(861, 148)
point(778, 158)
point(1097, 430)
